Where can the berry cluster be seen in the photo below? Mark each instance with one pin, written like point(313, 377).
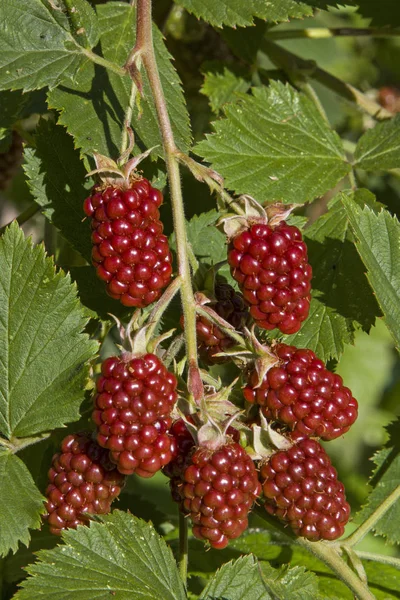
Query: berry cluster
point(82, 480)
point(133, 404)
point(303, 395)
point(270, 265)
point(301, 488)
point(217, 488)
point(130, 252)
point(210, 339)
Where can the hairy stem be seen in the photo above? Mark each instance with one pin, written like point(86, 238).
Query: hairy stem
point(183, 548)
point(161, 306)
point(365, 527)
point(327, 553)
point(233, 334)
point(325, 32)
point(292, 63)
point(144, 48)
point(128, 118)
point(381, 558)
point(99, 60)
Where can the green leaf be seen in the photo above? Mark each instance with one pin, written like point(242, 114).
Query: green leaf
point(93, 105)
point(275, 145)
point(378, 243)
point(237, 12)
point(379, 147)
point(222, 84)
point(57, 179)
point(21, 503)
point(338, 283)
point(385, 479)
point(83, 21)
point(238, 580)
point(43, 353)
point(208, 243)
point(37, 48)
point(119, 556)
point(290, 584)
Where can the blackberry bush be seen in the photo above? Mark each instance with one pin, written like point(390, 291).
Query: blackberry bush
point(301, 488)
point(134, 400)
point(170, 146)
point(82, 481)
point(130, 252)
point(271, 266)
point(300, 393)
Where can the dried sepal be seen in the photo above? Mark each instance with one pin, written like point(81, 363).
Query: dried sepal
point(266, 441)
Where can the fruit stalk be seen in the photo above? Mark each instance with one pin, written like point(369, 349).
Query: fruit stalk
point(144, 49)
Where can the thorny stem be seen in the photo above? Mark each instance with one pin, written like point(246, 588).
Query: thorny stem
point(144, 48)
point(324, 32)
point(291, 63)
point(183, 548)
point(365, 527)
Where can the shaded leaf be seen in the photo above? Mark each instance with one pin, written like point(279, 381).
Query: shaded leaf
point(275, 145)
point(118, 556)
point(338, 283)
point(378, 243)
point(385, 479)
point(57, 179)
point(222, 84)
point(43, 353)
point(379, 147)
point(93, 105)
point(21, 503)
point(290, 584)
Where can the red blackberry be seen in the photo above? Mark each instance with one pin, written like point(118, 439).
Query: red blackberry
point(82, 480)
point(270, 265)
point(134, 400)
point(10, 160)
point(389, 98)
point(217, 488)
point(210, 339)
point(301, 488)
point(301, 393)
point(130, 252)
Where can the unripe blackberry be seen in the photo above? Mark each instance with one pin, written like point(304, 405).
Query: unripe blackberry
point(389, 98)
point(301, 488)
point(134, 400)
point(217, 488)
point(302, 394)
point(10, 160)
point(82, 480)
point(130, 252)
point(210, 339)
point(271, 267)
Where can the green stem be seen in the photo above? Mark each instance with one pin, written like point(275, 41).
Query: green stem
point(324, 32)
point(292, 63)
point(23, 217)
point(231, 332)
point(128, 118)
point(183, 548)
point(144, 48)
point(161, 306)
point(331, 558)
point(365, 527)
point(99, 60)
point(381, 558)
point(327, 553)
point(173, 350)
